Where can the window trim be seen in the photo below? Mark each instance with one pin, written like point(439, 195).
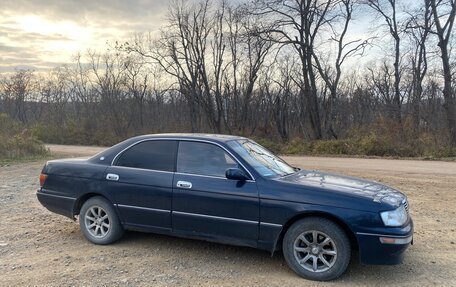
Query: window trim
point(203, 175)
point(114, 160)
point(145, 169)
point(252, 178)
point(208, 176)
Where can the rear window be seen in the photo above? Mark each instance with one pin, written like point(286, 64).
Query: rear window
point(154, 155)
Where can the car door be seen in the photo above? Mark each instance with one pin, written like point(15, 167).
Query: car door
point(206, 203)
point(140, 181)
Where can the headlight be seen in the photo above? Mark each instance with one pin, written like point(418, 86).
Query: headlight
point(397, 217)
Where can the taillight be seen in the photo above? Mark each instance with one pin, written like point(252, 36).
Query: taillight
point(42, 179)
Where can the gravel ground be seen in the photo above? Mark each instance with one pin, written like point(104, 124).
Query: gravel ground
point(40, 248)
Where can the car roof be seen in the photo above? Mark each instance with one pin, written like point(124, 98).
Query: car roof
point(108, 155)
point(196, 136)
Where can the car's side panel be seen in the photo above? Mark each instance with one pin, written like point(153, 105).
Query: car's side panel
point(217, 208)
point(365, 227)
point(280, 210)
point(268, 235)
point(75, 168)
point(68, 181)
point(143, 197)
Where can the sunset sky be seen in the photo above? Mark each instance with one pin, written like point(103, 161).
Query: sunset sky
point(42, 34)
point(46, 33)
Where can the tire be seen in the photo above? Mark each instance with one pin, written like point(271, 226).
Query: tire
point(331, 252)
point(99, 222)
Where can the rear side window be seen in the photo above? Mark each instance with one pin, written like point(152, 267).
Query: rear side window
point(155, 155)
point(203, 159)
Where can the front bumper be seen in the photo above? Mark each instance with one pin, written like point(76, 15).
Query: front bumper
point(385, 248)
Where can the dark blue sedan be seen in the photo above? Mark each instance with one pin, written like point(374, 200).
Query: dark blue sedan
point(231, 190)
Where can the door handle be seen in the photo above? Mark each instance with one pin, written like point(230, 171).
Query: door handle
point(184, 184)
point(112, 176)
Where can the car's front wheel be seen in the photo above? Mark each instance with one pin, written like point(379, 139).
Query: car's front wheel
point(317, 249)
point(99, 222)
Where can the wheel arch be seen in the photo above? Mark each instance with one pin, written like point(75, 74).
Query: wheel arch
point(321, 214)
point(82, 199)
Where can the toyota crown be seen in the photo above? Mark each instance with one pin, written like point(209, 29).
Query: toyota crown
point(230, 190)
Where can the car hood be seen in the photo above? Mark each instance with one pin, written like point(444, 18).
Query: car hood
point(352, 186)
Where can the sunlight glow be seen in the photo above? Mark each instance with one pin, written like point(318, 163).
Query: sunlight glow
point(54, 41)
point(35, 24)
point(64, 36)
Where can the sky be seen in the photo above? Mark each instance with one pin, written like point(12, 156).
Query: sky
point(41, 34)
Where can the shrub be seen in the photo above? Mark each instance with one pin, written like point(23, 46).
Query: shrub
point(269, 144)
point(74, 133)
point(17, 142)
point(383, 138)
point(297, 146)
point(332, 147)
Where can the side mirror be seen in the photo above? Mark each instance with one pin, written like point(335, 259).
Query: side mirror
point(236, 174)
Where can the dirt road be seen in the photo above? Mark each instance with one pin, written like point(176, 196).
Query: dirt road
point(40, 248)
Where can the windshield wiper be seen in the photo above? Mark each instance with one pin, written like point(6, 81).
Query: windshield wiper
point(296, 169)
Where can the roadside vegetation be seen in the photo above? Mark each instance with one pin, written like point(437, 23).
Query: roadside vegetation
point(380, 139)
point(17, 143)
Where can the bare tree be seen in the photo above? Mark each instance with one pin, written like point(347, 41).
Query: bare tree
point(80, 83)
point(444, 12)
point(248, 53)
point(284, 97)
point(18, 90)
point(387, 9)
point(136, 83)
point(331, 75)
point(108, 73)
point(380, 81)
point(183, 52)
point(296, 23)
point(55, 92)
point(417, 28)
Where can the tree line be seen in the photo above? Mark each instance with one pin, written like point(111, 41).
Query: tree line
point(279, 69)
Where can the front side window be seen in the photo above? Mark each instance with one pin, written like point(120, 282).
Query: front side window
point(263, 161)
point(154, 155)
point(203, 159)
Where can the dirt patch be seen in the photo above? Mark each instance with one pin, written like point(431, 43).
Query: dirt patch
point(38, 247)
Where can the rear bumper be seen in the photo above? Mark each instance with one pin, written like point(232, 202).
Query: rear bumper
point(59, 204)
point(384, 248)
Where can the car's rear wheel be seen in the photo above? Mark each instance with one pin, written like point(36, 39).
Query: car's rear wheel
point(99, 222)
point(317, 249)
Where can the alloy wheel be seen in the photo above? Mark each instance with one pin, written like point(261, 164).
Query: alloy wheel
point(315, 251)
point(97, 221)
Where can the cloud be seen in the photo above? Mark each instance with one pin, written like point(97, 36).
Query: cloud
point(7, 49)
point(107, 12)
point(74, 8)
point(16, 34)
point(41, 33)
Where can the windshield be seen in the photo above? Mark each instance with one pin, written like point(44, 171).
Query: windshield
point(263, 161)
